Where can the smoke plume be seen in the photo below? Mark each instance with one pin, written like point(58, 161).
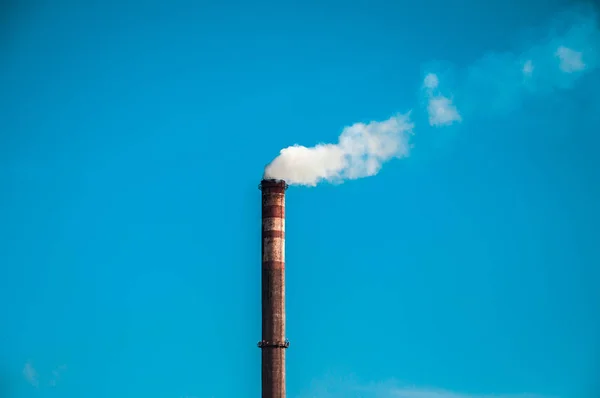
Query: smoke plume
point(495, 84)
point(360, 152)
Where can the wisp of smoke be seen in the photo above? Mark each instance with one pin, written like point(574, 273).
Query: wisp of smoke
point(360, 152)
point(440, 108)
point(499, 82)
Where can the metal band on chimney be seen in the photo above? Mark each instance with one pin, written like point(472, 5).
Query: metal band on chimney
point(267, 344)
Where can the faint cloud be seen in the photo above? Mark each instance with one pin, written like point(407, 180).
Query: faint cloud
point(528, 67)
point(431, 81)
point(343, 387)
point(404, 392)
point(56, 375)
point(31, 375)
point(570, 60)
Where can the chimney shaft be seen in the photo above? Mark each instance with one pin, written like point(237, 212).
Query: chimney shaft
point(273, 343)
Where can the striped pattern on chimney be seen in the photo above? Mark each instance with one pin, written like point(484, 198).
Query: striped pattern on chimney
point(273, 228)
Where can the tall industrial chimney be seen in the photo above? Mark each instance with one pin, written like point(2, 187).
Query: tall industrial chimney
point(273, 343)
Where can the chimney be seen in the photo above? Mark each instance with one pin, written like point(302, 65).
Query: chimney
point(273, 343)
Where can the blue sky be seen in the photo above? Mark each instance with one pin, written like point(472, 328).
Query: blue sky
point(133, 138)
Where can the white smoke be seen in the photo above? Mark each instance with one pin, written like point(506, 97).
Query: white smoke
point(360, 152)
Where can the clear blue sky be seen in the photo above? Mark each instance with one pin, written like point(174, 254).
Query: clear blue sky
point(133, 136)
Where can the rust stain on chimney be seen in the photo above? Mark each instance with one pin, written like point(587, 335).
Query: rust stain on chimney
point(273, 343)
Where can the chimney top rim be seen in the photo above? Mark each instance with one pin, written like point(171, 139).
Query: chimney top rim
point(273, 183)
